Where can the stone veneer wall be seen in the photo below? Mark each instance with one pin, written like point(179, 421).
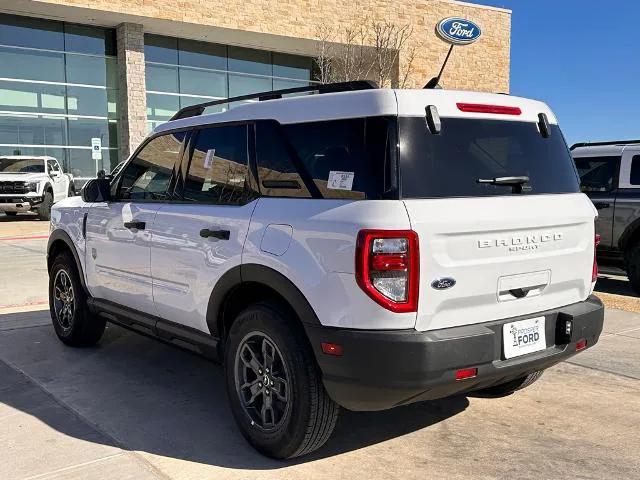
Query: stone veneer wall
point(132, 106)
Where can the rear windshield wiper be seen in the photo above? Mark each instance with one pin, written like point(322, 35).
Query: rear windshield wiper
point(515, 183)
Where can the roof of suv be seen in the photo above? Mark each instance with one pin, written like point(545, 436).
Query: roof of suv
point(615, 147)
point(368, 103)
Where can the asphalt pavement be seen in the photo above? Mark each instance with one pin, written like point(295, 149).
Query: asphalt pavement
point(134, 408)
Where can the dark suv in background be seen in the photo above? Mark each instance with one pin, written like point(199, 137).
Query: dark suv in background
point(610, 176)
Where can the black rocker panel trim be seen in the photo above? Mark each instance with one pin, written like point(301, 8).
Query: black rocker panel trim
point(266, 276)
point(150, 325)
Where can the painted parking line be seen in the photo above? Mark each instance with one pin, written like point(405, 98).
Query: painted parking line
point(27, 304)
point(32, 237)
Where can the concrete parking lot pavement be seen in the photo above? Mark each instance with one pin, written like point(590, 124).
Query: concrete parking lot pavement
point(134, 408)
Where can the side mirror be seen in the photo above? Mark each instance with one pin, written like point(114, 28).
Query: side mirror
point(96, 190)
point(55, 173)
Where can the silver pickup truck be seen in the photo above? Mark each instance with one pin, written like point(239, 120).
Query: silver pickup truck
point(610, 176)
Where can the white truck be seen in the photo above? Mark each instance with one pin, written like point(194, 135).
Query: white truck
point(32, 184)
point(360, 248)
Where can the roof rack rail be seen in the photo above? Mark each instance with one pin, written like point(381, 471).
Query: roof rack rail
point(198, 109)
point(598, 144)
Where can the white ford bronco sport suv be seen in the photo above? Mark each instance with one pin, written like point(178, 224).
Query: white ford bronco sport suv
point(32, 184)
point(357, 247)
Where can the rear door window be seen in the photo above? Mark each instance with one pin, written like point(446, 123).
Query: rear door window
point(467, 150)
point(597, 174)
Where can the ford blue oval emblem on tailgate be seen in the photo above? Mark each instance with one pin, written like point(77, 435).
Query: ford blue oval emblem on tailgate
point(443, 283)
point(458, 31)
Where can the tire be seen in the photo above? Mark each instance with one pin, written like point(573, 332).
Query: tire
point(73, 323)
point(302, 415)
point(505, 389)
point(72, 190)
point(632, 265)
point(44, 209)
point(11, 214)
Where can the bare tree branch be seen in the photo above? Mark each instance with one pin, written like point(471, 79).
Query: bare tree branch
point(367, 49)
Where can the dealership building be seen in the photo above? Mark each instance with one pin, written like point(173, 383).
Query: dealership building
point(75, 72)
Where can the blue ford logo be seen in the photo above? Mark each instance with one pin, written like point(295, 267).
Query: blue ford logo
point(443, 283)
point(458, 31)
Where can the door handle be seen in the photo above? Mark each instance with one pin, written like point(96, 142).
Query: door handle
point(219, 234)
point(135, 225)
point(600, 205)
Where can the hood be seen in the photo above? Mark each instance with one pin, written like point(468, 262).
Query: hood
point(22, 177)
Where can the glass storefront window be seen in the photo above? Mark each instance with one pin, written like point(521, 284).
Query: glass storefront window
point(45, 112)
point(31, 32)
point(31, 64)
point(161, 78)
point(96, 102)
point(160, 49)
point(32, 129)
point(196, 72)
point(82, 130)
point(244, 84)
point(203, 82)
point(248, 60)
point(58, 153)
point(203, 55)
point(292, 66)
point(86, 39)
point(88, 70)
point(29, 97)
point(160, 108)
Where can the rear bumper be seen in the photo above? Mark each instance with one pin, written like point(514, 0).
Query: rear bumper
point(382, 369)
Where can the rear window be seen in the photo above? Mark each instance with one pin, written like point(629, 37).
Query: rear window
point(451, 163)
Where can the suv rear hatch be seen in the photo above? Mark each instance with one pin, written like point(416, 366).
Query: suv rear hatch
point(494, 251)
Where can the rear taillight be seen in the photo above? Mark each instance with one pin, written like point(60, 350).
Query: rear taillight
point(387, 268)
point(594, 271)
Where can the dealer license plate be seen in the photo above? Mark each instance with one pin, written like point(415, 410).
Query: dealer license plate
point(523, 336)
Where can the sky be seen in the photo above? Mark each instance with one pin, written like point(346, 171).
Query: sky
point(582, 57)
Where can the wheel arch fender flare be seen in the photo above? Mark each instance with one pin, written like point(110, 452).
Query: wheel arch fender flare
point(257, 274)
point(47, 187)
point(58, 238)
point(630, 232)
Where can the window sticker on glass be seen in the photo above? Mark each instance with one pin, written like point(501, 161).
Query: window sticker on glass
point(340, 180)
point(208, 159)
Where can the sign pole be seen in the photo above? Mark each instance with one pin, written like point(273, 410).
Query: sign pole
point(433, 83)
point(454, 31)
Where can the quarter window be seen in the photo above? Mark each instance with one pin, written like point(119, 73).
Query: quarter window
point(277, 173)
point(148, 175)
point(347, 159)
point(635, 170)
point(218, 172)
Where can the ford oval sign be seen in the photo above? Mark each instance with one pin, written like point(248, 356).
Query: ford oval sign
point(443, 283)
point(458, 31)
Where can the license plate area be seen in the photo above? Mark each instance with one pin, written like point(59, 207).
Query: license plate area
point(523, 337)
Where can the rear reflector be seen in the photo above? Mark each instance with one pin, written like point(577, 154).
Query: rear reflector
point(332, 349)
point(581, 345)
point(466, 373)
point(482, 108)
